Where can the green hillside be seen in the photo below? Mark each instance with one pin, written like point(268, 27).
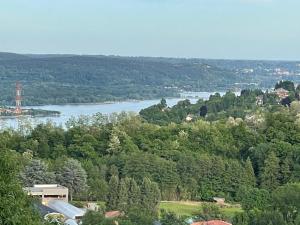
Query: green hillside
point(59, 79)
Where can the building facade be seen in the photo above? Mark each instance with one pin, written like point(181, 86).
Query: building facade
point(48, 192)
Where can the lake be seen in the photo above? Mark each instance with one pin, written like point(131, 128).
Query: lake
point(75, 110)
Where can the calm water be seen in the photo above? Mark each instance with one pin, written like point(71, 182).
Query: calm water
point(68, 111)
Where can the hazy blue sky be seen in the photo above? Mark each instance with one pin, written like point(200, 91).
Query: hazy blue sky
point(251, 29)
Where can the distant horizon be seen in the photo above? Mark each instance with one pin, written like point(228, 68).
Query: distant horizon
point(143, 56)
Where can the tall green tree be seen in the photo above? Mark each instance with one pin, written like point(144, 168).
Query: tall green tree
point(249, 176)
point(271, 172)
point(123, 194)
point(134, 197)
point(113, 194)
point(97, 188)
point(150, 195)
point(254, 198)
point(73, 176)
point(285, 171)
point(286, 199)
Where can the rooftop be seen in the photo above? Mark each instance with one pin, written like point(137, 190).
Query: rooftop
point(43, 210)
point(41, 187)
point(66, 209)
point(211, 222)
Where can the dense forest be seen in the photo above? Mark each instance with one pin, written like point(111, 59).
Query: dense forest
point(233, 147)
point(60, 79)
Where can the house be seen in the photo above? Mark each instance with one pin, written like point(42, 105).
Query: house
point(48, 192)
point(211, 222)
point(54, 199)
point(281, 93)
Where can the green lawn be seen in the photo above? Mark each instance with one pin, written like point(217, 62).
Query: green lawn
point(194, 208)
point(181, 208)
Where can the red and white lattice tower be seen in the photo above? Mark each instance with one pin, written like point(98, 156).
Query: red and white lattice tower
point(18, 109)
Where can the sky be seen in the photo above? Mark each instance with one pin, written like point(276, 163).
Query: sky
point(222, 29)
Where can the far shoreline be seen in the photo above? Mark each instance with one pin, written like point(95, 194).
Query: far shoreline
point(128, 100)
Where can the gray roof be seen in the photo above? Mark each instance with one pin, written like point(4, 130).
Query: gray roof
point(66, 209)
point(43, 210)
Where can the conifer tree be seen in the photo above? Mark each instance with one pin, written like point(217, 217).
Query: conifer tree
point(112, 198)
point(270, 176)
point(134, 194)
point(155, 196)
point(250, 179)
point(114, 171)
point(123, 195)
point(146, 193)
point(285, 171)
point(150, 195)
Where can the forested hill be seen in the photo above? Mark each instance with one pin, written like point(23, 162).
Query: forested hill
point(59, 79)
point(11, 56)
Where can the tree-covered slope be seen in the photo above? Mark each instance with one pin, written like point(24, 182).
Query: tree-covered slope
point(58, 79)
point(72, 79)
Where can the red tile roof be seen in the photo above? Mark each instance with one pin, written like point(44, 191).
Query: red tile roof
point(211, 222)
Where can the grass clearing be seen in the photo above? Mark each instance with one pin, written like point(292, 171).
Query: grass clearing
point(181, 208)
point(194, 208)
